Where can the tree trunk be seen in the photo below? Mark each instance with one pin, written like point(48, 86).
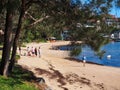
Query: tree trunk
point(16, 38)
point(7, 41)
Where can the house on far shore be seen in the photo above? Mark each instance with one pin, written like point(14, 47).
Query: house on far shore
point(111, 20)
point(115, 35)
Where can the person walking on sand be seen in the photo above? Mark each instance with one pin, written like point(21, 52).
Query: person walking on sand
point(39, 52)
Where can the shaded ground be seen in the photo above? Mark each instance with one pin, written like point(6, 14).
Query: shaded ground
point(23, 73)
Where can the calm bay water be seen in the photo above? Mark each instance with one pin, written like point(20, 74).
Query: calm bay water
point(112, 49)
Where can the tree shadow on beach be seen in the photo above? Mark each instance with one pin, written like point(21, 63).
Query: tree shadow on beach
point(22, 73)
point(73, 78)
point(55, 74)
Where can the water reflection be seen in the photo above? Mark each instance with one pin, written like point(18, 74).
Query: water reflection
point(111, 56)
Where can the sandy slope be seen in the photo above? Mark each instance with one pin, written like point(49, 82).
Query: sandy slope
point(63, 74)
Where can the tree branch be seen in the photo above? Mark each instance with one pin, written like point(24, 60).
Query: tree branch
point(39, 20)
point(30, 16)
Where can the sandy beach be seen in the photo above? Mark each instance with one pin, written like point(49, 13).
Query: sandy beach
point(64, 74)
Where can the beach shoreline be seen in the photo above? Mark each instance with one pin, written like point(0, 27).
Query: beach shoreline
point(66, 73)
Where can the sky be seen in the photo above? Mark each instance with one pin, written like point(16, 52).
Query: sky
point(114, 11)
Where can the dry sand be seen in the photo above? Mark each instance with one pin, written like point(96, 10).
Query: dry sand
point(63, 74)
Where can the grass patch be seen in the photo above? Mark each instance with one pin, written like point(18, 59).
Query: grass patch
point(17, 57)
point(14, 84)
point(20, 79)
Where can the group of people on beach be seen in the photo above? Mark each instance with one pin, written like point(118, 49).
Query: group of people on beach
point(33, 51)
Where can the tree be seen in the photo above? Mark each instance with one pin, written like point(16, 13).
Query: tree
point(61, 13)
point(7, 39)
point(16, 38)
point(8, 31)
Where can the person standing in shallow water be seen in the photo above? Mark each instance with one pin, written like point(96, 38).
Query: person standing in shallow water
point(84, 60)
